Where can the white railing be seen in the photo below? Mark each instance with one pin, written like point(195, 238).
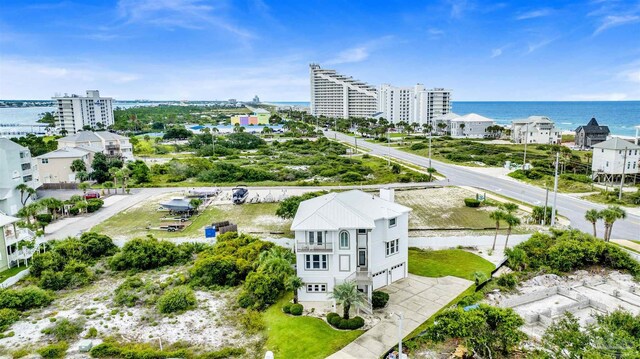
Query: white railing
point(19, 235)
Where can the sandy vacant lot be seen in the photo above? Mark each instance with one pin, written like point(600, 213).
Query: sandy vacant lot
point(203, 327)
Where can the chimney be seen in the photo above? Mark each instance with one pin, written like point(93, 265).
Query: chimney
point(387, 194)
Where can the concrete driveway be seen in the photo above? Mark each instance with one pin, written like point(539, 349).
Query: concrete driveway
point(417, 298)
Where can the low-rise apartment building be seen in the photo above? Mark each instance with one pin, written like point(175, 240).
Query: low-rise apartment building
point(55, 166)
point(12, 253)
point(16, 168)
point(109, 143)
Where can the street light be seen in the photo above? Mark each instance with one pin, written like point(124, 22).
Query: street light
point(400, 318)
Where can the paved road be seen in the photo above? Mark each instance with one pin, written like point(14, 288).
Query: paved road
point(570, 207)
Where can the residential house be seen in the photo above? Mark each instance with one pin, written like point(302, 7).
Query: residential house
point(442, 124)
point(535, 129)
point(12, 243)
point(55, 166)
point(350, 235)
point(470, 126)
point(15, 168)
point(110, 144)
point(591, 134)
point(614, 157)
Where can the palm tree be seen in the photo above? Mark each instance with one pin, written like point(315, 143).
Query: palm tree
point(462, 126)
point(52, 205)
point(512, 221)
point(84, 186)
point(593, 216)
point(29, 211)
point(23, 188)
point(108, 185)
point(113, 171)
point(347, 295)
point(610, 215)
point(78, 165)
point(63, 132)
point(509, 207)
point(497, 216)
point(294, 283)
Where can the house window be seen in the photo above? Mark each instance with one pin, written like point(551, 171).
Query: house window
point(26, 166)
point(44, 161)
point(392, 222)
point(316, 288)
point(607, 164)
point(392, 247)
point(344, 240)
point(362, 231)
point(28, 178)
point(315, 237)
point(316, 262)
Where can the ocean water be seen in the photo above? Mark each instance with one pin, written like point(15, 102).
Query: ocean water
point(620, 116)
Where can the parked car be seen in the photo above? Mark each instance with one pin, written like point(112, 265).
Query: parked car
point(91, 195)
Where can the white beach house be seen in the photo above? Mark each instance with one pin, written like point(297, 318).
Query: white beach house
point(350, 235)
point(535, 129)
point(470, 125)
point(613, 157)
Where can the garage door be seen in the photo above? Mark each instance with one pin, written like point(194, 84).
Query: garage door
point(397, 272)
point(379, 279)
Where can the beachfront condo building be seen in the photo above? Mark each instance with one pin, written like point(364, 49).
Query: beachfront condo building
point(336, 95)
point(535, 129)
point(340, 96)
point(15, 169)
point(74, 112)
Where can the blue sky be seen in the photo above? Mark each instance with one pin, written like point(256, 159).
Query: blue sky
point(204, 50)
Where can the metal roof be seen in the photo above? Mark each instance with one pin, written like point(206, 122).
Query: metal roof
point(4, 219)
point(65, 152)
point(616, 143)
point(344, 210)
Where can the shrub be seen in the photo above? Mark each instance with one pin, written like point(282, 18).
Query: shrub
point(471, 202)
point(251, 321)
point(91, 333)
point(508, 281)
point(147, 253)
point(223, 353)
point(105, 350)
point(44, 218)
point(348, 324)
point(177, 299)
point(24, 298)
point(50, 260)
point(65, 329)
point(8, 317)
point(74, 211)
point(52, 280)
point(379, 299)
point(98, 245)
point(296, 309)
point(94, 204)
point(418, 146)
point(126, 293)
point(210, 270)
point(54, 351)
point(261, 290)
point(352, 177)
point(286, 308)
point(77, 274)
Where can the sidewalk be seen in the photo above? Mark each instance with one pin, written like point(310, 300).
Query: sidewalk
point(417, 299)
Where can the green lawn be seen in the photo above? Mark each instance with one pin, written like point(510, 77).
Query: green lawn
point(302, 337)
point(441, 263)
point(11, 272)
point(259, 217)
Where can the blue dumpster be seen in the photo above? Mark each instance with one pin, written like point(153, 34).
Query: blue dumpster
point(209, 232)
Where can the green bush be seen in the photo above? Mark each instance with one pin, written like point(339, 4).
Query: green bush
point(65, 329)
point(94, 204)
point(127, 292)
point(147, 253)
point(54, 351)
point(49, 260)
point(351, 177)
point(52, 280)
point(91, 333)
point(44, 218)
point(347, 324)
point(74, 211)
point(77, 274)
point(251, 321)
point(8, 317)
point(379, 299)
point(296, 309)
point(177, 299)
point(418, 146)
point(261, 290)
point(508, 281)
point(24, 298)
point(211, 270)
point(287, 308)
point(105, 350)
point(471, 202)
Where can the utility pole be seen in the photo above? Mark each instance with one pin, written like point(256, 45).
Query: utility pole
point(555, 192)
point(546, 201)
point(526, 139)
point(430, 148)
point(624, 163)
point(400, 318)
point(388, 148)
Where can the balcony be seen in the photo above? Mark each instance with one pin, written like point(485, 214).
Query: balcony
point(112, 147)
point(318, 248)
point(20, 234)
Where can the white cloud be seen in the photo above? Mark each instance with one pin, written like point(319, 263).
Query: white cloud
point(496, 53)
point(630, 75)
point(611, 21)
point(188, 14)
point(459, 7)
point(435, 33)
point(534, 14)
point(358, 53)
point(532, 47)
point(612, 96)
